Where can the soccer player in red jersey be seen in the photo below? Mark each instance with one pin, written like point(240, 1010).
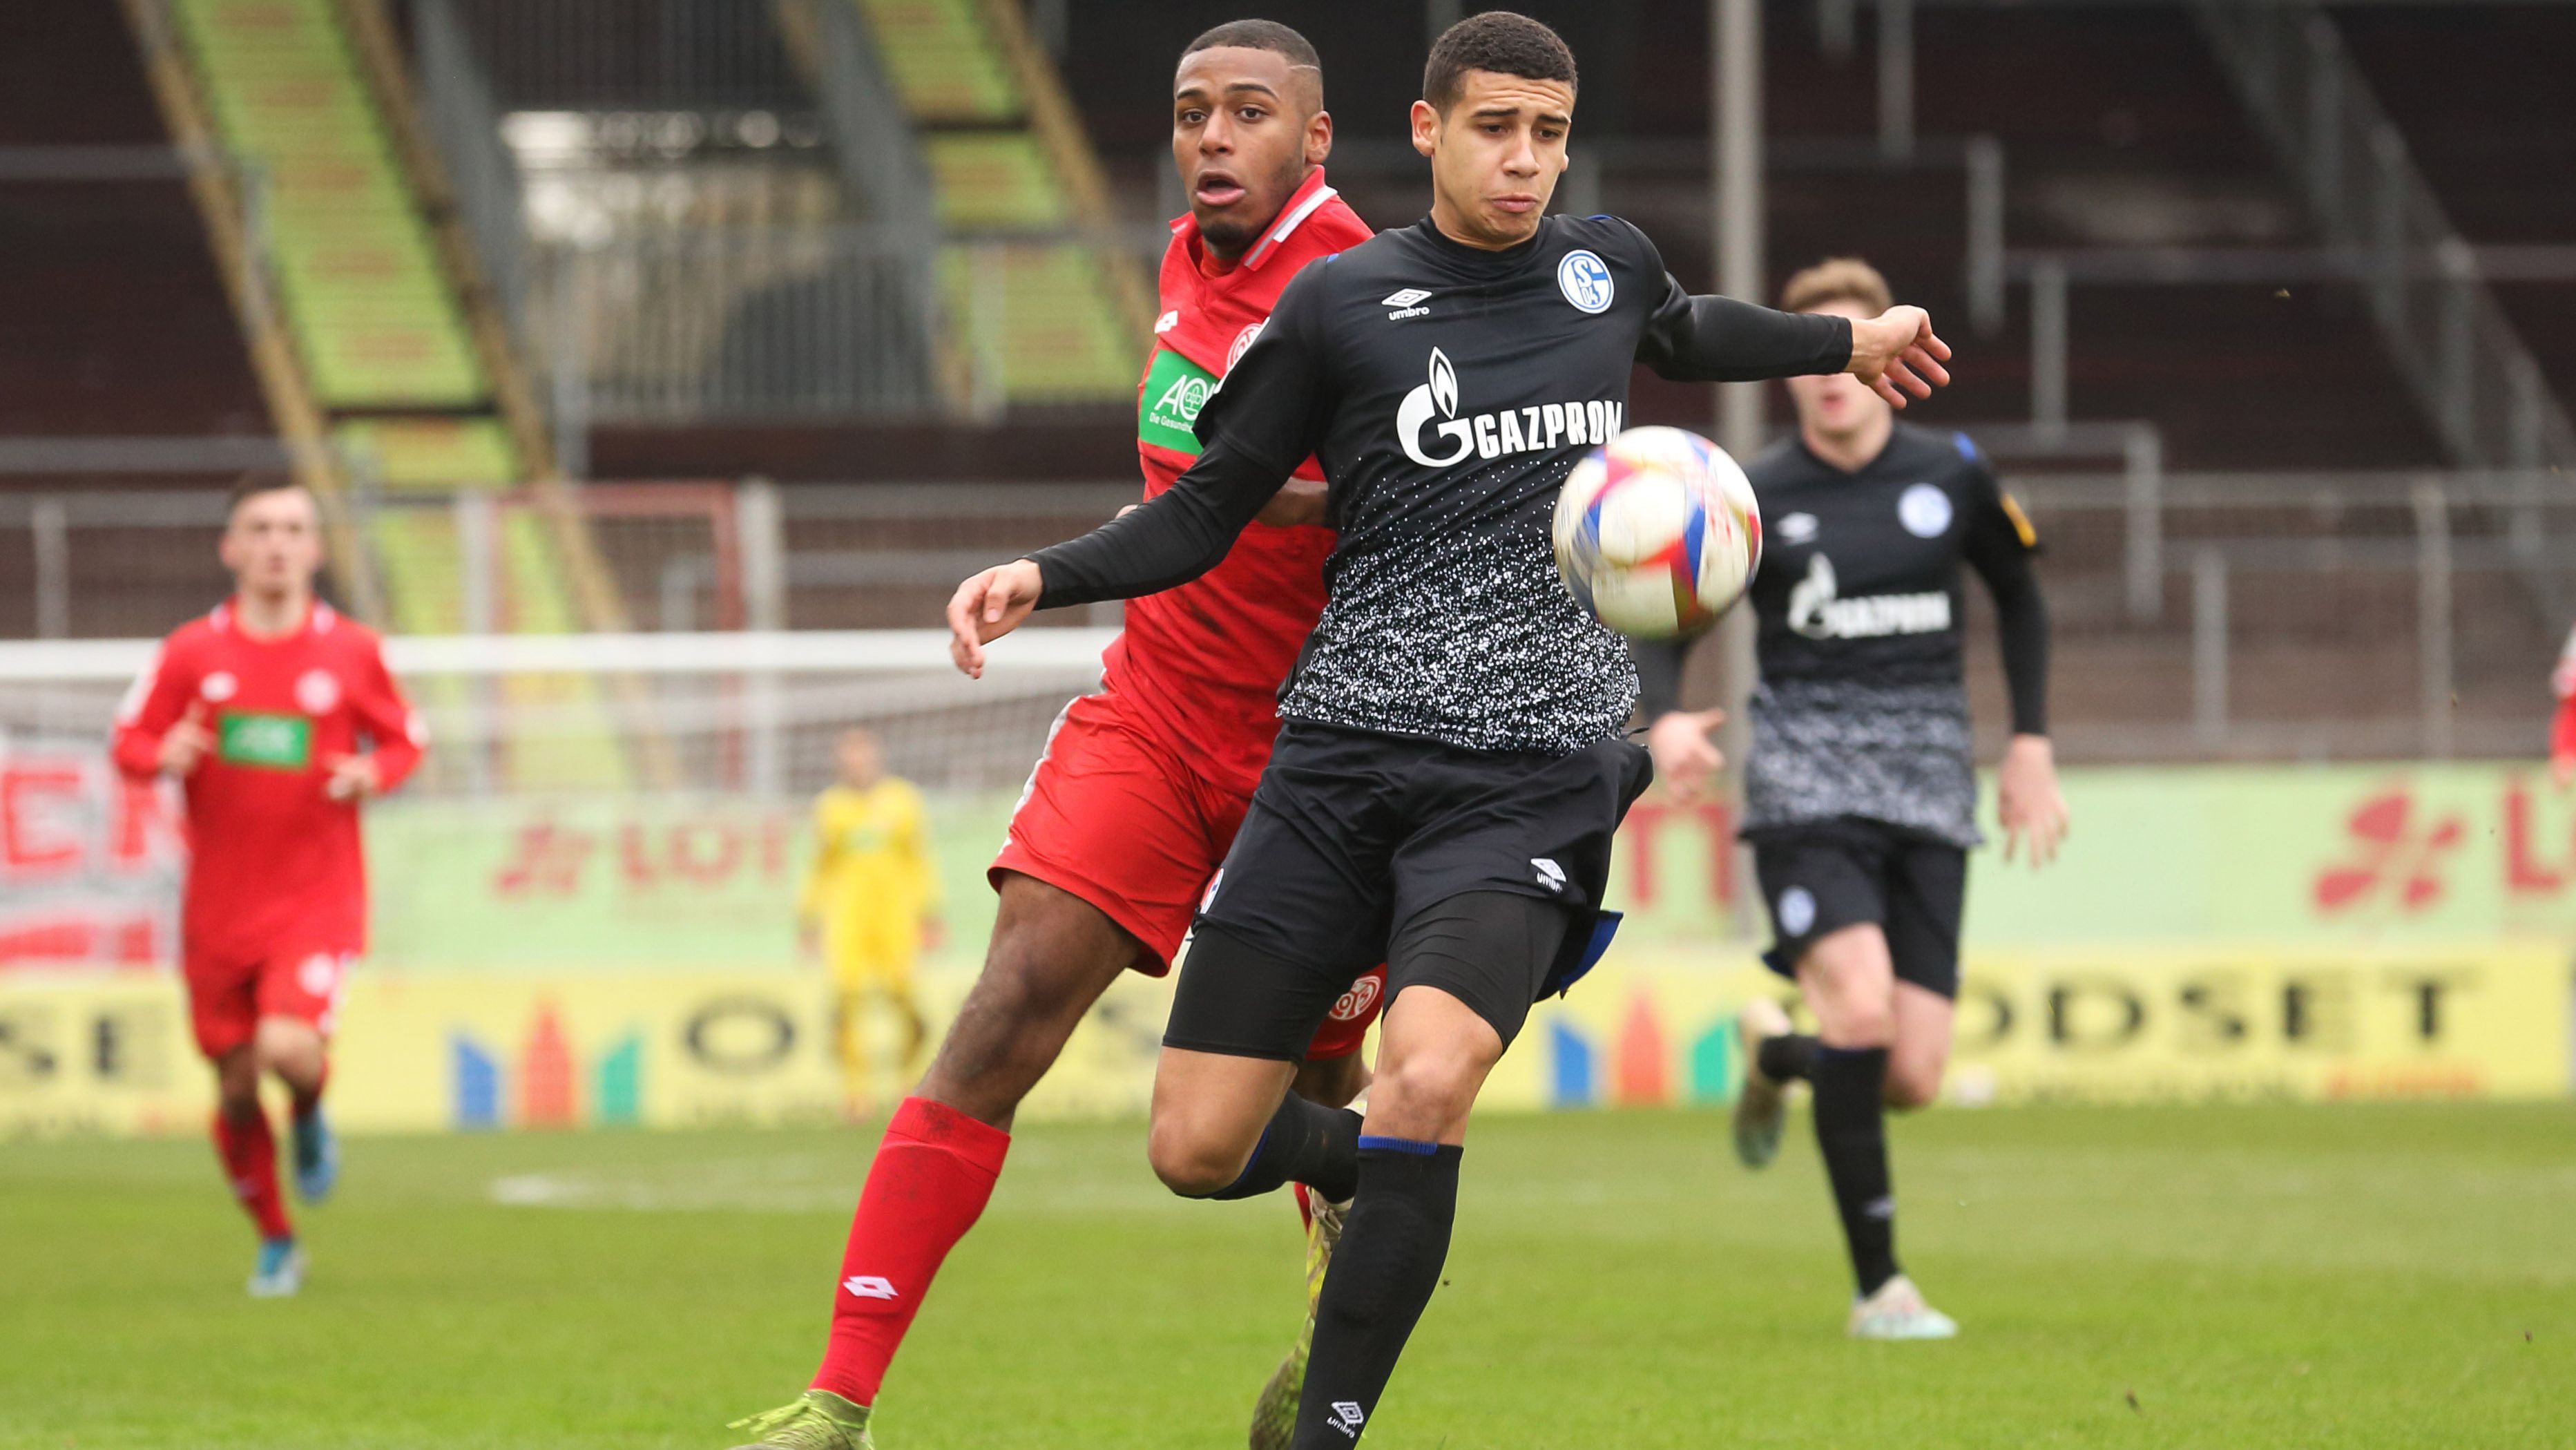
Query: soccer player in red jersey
point(1141, 787)
point(2562, 731)
point(278, 717)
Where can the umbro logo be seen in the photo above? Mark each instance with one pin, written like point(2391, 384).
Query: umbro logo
point(868, 1286)
point(1550, 874)
point(1406, 302)
point(1348, 1417)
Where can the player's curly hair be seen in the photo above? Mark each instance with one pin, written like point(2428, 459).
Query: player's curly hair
point(1837, 279)
point(1497, 41)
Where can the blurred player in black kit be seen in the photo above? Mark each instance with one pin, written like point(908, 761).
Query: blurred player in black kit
point(1451, 763)
point(1861, 791)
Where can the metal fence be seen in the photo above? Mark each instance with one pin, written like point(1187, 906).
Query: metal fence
point(616, 54)
point(2446, 333)
point(2304, 616)
point(775, 322)
point(2295, 616)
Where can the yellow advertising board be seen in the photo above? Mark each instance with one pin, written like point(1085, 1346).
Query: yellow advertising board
point(91, 1052)
point(2107, 1025)
point(111, 1053)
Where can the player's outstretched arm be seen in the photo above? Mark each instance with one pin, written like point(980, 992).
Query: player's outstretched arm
point(988, 606)
point(1720, 340)
point(1171, 539)
point(1999, 547)
point(1898, 353)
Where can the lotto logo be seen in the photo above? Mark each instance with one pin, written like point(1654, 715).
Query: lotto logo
point(868, 1286)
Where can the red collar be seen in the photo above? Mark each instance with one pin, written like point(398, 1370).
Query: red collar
point(1300, 205)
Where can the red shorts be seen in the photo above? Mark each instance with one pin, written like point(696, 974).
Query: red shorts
point(1116, 818)
point(228, 995)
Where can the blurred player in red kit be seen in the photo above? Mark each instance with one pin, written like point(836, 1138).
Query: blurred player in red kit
point(278, 717)
point(2562, 731)
point(1141, 787)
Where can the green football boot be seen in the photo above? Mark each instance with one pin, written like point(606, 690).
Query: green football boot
point(1274, 1415)
point(819, 1420)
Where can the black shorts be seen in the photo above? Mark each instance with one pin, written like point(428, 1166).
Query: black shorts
point(1821, 878)
point(1353, 839)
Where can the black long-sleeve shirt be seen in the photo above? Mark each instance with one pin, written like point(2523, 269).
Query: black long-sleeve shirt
point(1861, 611)
point(1446, 391)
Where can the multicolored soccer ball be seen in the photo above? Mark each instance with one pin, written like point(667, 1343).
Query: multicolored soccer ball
point(1657, 532)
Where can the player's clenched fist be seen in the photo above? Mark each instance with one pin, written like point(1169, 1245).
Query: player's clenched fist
point(1897, 353)
point(988, 606)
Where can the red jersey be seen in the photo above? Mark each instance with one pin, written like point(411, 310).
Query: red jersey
point(275, 863)
point(1201, 665)
point(2562, 733)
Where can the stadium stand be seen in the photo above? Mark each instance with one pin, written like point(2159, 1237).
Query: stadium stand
point(1005, 161)
point(118, 323)
point(377, 323)
point(2501, 166)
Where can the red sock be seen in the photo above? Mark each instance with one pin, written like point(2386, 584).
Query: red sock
point(928, 1185)
point(249, 1152)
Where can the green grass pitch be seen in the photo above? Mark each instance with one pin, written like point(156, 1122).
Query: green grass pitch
point(2221, 1277)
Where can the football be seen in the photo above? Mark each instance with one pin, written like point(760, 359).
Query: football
point(1657, 532)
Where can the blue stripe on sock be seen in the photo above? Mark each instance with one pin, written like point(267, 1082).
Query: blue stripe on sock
point(1414, 1146)
point(1248, 1165)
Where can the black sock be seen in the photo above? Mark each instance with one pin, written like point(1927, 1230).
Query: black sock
point(1786, 1057)
point(1383, 1273)
point(1851, 1128)
point(1305, 1143)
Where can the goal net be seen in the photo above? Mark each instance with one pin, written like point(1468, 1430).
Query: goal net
point(750, 713)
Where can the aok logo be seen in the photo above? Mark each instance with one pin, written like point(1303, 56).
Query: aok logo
point(1177, 406)
point(2392, 855)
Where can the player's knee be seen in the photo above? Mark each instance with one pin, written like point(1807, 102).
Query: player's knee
point(287, 1047)
point(1332, 1081)
point(1193, 1162)
point(1862, 1023)
point(1426, 1090)
point(1912, 1085)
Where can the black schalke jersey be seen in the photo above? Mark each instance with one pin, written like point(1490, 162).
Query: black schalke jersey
point(1862, 709)
point(1447, 391)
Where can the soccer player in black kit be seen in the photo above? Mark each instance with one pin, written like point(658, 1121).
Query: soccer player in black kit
point(1860, 792)
point(1452, 763)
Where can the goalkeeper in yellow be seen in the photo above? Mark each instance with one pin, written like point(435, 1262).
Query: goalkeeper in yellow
point(871, 900)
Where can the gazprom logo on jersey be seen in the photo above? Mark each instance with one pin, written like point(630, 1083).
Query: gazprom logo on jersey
point(1816, 612)
point(1535, 429)
point(1585, 280)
